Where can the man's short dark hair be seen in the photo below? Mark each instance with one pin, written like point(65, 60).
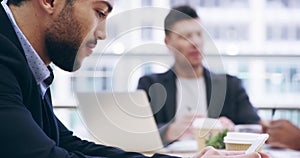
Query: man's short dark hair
point(19, 2)
point(178, 13)
point(16, 2)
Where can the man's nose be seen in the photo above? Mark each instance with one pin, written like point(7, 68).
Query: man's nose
point(100, 32)
point(197, 40)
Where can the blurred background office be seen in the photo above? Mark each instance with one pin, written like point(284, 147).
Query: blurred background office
point(255, 40)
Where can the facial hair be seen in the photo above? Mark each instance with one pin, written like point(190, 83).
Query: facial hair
point(63, 40)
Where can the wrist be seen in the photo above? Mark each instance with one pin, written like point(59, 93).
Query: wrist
point(168, 135)
point(297, 143)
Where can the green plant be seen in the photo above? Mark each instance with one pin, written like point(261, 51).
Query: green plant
point(217, 141)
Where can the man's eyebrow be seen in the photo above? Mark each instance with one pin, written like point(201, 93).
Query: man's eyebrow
point(107, 9)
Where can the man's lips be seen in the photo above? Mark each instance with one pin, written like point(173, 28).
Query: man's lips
point(194, 53)
point(91, 45)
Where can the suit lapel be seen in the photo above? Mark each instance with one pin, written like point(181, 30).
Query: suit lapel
point(216, 93)
point(207, 80)
point(46, 120)
point(49, 119)
point(170, 82)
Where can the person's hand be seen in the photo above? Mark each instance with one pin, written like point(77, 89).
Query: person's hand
point(182, 128)
point(264, 124)
point(227, 123)
point(283, 134)
point(210, 152)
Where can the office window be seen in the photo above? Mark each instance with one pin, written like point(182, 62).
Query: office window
point(194, 3)
point(146, 33)
point(146, 3)
point(213, 31)
point(269, 33)
point(283, 3)
point(294, 4)
point(93, 79)
point(298, 33)
point(282, 32)
point(274, 4)
point(274, 32)
point(209, 3)
point(225, 3)
point(174, 3)
point(234, 3)
point(237, 32)
point(232, 32)
point(292, 32)
point(147, 69)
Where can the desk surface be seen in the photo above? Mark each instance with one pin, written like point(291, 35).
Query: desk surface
point(273, 153)
point(281, 153)
point(279, 106)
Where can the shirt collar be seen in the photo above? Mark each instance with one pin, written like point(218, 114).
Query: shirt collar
point(37, 66)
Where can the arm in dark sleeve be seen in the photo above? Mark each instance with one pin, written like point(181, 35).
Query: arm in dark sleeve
point(21, 136)
point(73, 143)
point(246, 113)
point(146, 83)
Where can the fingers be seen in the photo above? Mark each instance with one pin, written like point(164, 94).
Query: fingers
point(265, 125)
point(226, 123)
point(231, 153)
point(205, 151)
point(279, 123)
point(209, 152)
point(251, 155)
point(275, 124)
point(256, 155)
point(191, 116)
point(263, 155)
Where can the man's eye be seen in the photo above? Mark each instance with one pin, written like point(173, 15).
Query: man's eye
point(101, 14)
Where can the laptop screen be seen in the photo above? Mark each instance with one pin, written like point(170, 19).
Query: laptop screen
point(122, 119)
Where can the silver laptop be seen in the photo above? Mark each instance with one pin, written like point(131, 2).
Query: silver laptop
point(122, 119)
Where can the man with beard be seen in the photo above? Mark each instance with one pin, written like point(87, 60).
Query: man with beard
point(34, 33)
point(189, 90)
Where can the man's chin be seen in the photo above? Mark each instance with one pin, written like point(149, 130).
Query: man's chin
point(69, 67)
point(196, 65)
point(76, 67)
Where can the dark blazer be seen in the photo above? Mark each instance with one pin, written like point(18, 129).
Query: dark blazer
point(225, 97)
point(29, 128)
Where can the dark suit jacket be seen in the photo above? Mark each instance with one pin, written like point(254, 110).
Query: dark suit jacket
point(29, 128)
point(225, 97)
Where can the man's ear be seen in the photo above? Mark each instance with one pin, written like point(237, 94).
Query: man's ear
point(167, 42)
point(48, 5)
